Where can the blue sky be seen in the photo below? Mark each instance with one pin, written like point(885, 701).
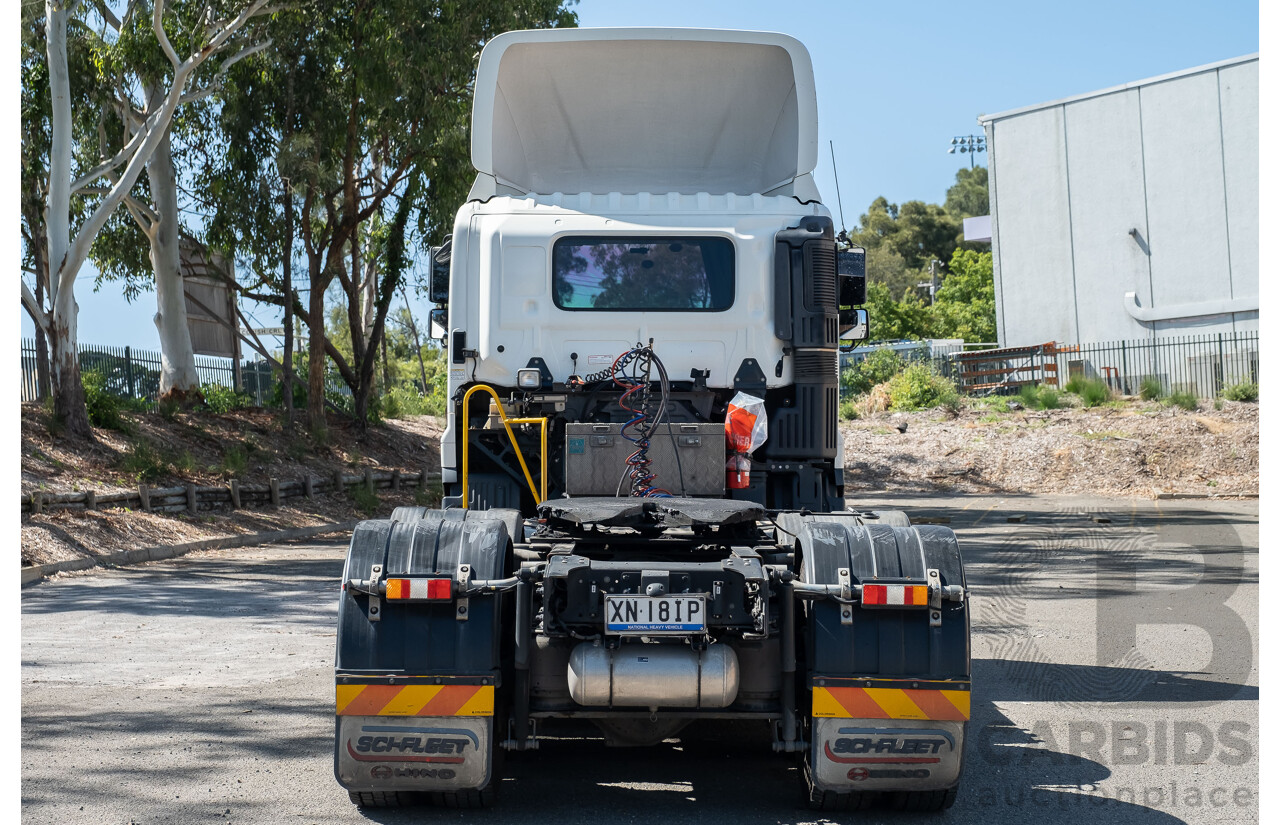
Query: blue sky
point(895, 81)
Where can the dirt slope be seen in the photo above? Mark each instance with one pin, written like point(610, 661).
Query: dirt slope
point(207, 450)
point(1132, 449)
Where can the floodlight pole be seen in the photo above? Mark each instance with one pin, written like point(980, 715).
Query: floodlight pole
point(971, 144)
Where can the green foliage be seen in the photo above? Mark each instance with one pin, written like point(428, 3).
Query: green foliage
point(405, 400)
point(143, 462)
point(1039, 398)
point(183, 462)
point(1244, 391)
point(169, 409)
point(103, 407)
point(876, 368)
point(915, 231)
point(371, 98)
point(965, 306)
point(1092, 391)
point(365, 500)
point(222, 399)
point(1151, 388)
point(969, 196)
point(1185, 400)
point(892, 320)
point(848, 409)
point(429, 495)
point(918, 387)
point(235, 460)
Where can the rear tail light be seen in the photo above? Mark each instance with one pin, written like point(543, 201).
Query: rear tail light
point(895, 595)
point(420, 589)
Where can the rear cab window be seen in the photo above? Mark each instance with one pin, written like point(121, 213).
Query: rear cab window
point(645, 274)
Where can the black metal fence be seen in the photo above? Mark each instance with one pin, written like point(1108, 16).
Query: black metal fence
point(135, 374)
point(1203, 365)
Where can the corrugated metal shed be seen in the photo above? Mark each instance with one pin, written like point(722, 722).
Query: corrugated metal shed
point(1128, 212)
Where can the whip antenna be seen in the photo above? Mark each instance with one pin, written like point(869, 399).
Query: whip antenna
point(844, 236)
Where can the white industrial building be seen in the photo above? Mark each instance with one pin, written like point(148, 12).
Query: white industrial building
point(1128, 213)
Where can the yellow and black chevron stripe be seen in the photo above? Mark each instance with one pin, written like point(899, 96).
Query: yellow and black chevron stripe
point(937, 701)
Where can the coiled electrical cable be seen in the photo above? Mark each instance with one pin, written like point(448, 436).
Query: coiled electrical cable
point(632, 371)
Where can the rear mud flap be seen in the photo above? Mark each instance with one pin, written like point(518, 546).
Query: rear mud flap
point(397, 753)
point(886, 754)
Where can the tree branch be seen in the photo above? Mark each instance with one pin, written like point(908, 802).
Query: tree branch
point(157, 25)
point(255, 344)
point(107, 165)
point(33, 308)
point(216, 82)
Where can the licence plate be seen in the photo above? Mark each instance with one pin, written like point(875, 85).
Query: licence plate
point(655, 614)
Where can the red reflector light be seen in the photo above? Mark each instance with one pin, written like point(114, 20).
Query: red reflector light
point(907, 595)
point(419, 589)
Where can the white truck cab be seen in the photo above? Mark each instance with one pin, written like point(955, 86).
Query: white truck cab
point(631, 186)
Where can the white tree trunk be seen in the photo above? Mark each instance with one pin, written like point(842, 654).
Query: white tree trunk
point(68, 393)
point(177, 360)
point(67, 256)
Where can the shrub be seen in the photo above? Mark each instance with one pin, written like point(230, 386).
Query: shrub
point(365, 500)
point(918, 387)
point(169, 408)
point(1151, 388)
point(876, 368)
point(1029, 397)
point(429, 495)
point(143, 462)
point(848, 409)
point(276, 399)
point(183, 462)
point(103, 407)
point(1184, 399)
point(1075, 386)
point(1048, 399)
point(405, 400)
point(234, 461)
point(1244, 391)
point(1094, 392)
point(222, 399)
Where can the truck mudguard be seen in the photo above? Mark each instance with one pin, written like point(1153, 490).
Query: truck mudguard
point(416, 681)
point(422, 638)
point(888, 643)
point(889, 683)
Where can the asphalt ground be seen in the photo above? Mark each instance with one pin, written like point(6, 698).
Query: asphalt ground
point(1114, 670)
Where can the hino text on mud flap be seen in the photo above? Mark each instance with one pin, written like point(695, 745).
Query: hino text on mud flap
point(644, 521)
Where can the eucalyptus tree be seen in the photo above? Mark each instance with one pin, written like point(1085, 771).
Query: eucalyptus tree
point(367, 114)
point(109, 182)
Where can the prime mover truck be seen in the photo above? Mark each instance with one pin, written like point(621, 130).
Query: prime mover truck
point(644, 522)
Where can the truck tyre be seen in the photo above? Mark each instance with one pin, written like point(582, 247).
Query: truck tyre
point(820, 800)
point(924, 801)
point(464, 800)
point(380, 799)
